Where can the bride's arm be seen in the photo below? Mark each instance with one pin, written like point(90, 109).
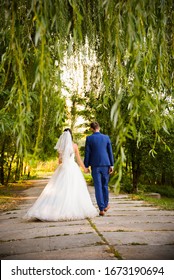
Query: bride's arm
point(59, 158)
point(79, 160)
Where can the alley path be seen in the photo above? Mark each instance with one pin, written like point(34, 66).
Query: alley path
point(130, 230)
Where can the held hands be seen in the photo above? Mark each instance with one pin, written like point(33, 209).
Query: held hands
point(111, 169)
point(86, 170)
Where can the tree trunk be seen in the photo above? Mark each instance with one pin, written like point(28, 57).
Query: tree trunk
point(2, 160)
point(9, 169)
point(136, 159)
point(136, 175)
point(163, 177)
point(17, 172)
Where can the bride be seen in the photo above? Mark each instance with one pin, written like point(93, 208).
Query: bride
point(66, 196)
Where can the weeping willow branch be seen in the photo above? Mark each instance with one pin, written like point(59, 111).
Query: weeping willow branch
point(134, 44)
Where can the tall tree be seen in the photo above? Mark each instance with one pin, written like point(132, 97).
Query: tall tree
point(133, 41)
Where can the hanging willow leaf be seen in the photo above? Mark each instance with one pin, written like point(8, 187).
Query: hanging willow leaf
point(133, 43)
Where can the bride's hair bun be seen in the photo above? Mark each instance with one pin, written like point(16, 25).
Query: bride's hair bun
point(68, 129)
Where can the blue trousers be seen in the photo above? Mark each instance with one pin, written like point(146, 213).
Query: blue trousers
point(100, 176)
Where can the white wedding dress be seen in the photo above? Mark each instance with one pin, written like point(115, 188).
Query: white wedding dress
point(65, 197)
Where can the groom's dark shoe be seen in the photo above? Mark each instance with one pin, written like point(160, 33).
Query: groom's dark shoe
point(107, 208)
point(101, 213)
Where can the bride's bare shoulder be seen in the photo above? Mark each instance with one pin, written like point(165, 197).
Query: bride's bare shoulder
point(75, 146)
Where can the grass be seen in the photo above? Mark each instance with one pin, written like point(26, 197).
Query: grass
point(163, 190)
point(165, 203)
point(11, 195)
point(137, 243)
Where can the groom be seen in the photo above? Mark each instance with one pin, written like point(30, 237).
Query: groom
point(98, 155)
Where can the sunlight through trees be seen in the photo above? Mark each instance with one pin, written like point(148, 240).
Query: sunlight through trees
point(125, 54)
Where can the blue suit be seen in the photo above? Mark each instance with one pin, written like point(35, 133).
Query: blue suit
point(98, 155)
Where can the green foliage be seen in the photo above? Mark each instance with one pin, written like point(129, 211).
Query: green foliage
point(142, 73)
point(131, 89)
point(41, 169)
point(164, 190)
point(164, 203)
point(88, 179)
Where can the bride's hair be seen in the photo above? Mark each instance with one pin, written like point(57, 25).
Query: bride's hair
point(68, 129)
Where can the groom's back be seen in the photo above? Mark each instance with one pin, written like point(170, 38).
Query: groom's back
point(99, 149)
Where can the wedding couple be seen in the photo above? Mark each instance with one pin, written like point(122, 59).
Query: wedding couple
point(66, 195)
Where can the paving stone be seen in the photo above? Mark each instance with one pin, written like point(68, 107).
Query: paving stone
point(54, 230)
point(134, 229)
point(149, 237)
point(45, 244)
point(84, 253)
point(155, 252)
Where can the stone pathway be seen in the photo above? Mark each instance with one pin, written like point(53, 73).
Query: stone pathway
point(130, 230)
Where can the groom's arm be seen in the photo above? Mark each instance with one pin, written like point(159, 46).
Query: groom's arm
point(110, 153)
point(87, 153)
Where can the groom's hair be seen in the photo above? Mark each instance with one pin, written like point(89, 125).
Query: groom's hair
point(94, 125)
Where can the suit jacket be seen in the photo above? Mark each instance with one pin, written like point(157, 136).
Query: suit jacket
point(98, 150)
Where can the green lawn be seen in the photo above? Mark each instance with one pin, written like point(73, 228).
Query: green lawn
point(164, 202)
